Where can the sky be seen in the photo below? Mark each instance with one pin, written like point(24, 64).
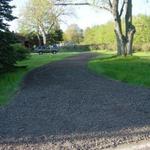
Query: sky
point(85, 16)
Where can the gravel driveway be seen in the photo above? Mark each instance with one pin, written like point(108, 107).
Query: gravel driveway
point(63, 106)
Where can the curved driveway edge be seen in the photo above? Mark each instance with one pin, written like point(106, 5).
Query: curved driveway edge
point(64, 106)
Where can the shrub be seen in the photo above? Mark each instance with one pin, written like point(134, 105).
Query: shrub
point(137, 47)
point(146, 47)
point(7, 53)
point(94, 47)
point(90, 47)
point(75, 48)
point(141, 47)
point(21, 52)
point(112, 46)
point(103, 46)
point(7, 57)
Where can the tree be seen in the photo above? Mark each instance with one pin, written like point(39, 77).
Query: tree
point(41, 16)
point(100, 34)
point(7, 56)
point(56, 36)
point(5, 14)
point(117, 8)
point(73, 34)
point(142, 24)
point(142, 37)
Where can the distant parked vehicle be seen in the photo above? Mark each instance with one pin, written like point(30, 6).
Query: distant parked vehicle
point(46, 49)
point(40, 49)
point(54, 49)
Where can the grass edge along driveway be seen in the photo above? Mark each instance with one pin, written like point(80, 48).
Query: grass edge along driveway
point(10, 81)
point(134, 70)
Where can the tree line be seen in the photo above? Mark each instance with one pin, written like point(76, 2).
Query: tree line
point(40, 25)
point(104, 36)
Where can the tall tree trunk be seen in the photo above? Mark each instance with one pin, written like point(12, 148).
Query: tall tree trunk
point(39, 40)
point(43, 35)
point(38, 37)
point(130, 41)
point(121, 45)
point(124, 41)
point(130, 28)
point(44, 38)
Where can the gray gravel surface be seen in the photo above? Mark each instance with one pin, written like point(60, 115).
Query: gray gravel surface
point(63, 106)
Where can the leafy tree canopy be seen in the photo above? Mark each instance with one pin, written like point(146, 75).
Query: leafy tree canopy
point(73, 34)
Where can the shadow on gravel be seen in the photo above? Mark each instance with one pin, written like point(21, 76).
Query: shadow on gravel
point(63, 101)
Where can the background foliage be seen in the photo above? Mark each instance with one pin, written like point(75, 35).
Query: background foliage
point(103, 35)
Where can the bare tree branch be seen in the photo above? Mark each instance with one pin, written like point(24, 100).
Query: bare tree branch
point(65, 4)
point(110, 4)
point(122, 8)
point(103, 7)
point(88, 4)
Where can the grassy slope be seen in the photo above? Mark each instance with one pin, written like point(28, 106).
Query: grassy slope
point(9, 82)
point(133, 70)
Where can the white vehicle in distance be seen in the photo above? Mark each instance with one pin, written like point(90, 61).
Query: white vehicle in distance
point(47, 49)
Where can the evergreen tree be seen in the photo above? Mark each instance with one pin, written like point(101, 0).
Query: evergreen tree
point(7, 54)
point(5, 14)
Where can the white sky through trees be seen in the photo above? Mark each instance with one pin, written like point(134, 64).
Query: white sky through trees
point(86, 16)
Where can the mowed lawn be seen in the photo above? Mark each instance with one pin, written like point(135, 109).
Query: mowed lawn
point(9, 82)
point(132, 69)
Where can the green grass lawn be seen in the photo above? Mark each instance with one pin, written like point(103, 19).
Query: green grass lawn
point(9, 82)
point(132, 69)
